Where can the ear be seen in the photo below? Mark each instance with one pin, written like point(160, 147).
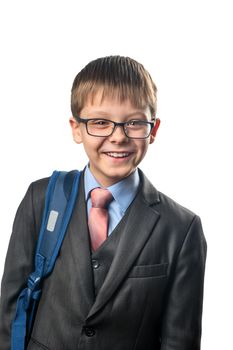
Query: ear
point(76, 130)
point(154, 130)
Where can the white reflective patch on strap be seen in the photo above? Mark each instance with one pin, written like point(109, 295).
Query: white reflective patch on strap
point(52, 220)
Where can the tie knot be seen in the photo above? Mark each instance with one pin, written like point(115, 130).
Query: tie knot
point(100, 198)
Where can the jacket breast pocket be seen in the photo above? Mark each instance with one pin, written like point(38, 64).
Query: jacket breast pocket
point(145, 271)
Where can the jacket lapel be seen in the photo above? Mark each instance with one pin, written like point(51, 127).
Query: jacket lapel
point(80, 251)
point(141, 220)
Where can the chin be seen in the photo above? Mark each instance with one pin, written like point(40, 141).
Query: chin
point(117, 176)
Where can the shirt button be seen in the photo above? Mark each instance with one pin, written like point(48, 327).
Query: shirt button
point(95, 264)
point(89, 331)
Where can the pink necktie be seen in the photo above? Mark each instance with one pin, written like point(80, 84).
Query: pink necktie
point(98, 217)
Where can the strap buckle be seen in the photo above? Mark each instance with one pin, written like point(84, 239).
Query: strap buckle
point(32, 288)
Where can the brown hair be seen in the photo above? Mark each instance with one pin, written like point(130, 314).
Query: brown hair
point(114, 76)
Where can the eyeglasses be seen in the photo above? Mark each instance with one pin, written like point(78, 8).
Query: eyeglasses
point(133, 129)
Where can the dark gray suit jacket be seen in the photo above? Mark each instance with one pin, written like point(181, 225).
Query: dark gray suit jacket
point(151, 298)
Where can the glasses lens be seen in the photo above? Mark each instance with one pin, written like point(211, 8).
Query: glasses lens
point(138, 129)
point(99, 127)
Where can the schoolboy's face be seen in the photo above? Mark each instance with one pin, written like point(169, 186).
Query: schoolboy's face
point(114, 157)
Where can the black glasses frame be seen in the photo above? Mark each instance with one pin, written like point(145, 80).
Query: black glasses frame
point(123, 125)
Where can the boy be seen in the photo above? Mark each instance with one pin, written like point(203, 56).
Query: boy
point(141, 286)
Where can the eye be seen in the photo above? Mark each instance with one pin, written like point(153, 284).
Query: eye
point(98, 123)
point(132, 122)
point(135, 123)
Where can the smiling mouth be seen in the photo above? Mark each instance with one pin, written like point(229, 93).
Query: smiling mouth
point(118, 154)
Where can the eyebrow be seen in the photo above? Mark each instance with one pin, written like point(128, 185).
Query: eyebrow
point(104, 114)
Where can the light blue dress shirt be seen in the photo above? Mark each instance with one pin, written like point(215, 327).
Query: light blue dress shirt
point(123, 193)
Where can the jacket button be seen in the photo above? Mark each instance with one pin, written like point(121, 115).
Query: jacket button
point(89, 331)
point(95, 264)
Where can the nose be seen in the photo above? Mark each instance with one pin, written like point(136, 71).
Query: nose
point(118, 135)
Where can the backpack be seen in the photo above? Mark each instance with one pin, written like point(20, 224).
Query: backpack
point(59, 203)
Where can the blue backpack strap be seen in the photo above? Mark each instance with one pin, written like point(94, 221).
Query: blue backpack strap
point(59, 203)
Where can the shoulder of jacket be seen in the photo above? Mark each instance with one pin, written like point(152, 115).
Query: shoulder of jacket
point(39, 186)
point(173, 209)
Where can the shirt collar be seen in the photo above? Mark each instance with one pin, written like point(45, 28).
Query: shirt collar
point(123, 191)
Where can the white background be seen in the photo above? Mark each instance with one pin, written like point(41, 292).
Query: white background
point(187, 48)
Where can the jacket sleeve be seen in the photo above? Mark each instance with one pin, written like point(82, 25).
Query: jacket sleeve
point(18, 264)
point(181, 326)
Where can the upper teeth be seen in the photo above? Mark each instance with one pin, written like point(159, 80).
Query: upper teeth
point(117, 155)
